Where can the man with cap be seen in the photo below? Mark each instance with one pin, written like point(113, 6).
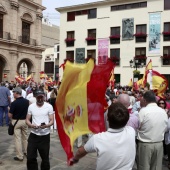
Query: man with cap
point(42, 115)
point(18, 111)
point(5, 101)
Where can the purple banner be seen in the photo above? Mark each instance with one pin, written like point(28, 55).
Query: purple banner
point(103, 51)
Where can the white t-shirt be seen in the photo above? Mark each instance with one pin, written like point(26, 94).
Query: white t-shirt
point(24, 94)
point(115, 149)
point(29, 96)
point(40, 115)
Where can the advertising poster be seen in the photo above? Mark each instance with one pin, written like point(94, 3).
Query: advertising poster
point(154, 33)
point(102, 51)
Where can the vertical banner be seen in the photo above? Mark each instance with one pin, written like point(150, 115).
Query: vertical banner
point(80, 55)
point(103, 51)
point(154, 32)
point(127, 29)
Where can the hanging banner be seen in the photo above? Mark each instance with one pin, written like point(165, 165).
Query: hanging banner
point(154, 33)
point(103, 51)
point(80, 55)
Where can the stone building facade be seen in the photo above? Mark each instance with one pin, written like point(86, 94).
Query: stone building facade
point(20, 37)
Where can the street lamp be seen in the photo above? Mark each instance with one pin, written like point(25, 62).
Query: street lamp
point(136, 64)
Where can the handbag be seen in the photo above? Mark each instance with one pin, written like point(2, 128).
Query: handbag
point(11, 128)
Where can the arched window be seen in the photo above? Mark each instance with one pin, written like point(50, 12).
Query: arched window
point(26, 28)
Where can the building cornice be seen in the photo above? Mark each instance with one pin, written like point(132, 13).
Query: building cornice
point(94, 4)
point(12, 42)
point(36, 4)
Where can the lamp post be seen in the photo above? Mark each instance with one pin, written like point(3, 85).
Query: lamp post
point(135, 63)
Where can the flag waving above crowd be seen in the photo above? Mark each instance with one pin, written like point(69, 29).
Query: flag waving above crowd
point(81, 101)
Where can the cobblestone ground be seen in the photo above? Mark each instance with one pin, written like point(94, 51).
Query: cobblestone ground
point(57, 155)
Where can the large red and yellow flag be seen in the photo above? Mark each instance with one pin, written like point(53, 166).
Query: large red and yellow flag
point(138, 84)
point(112, 79)
point(80, 101)
point(148, 67)
point(19, 79)
point(43, 75)
point(30, 77)
point(159, 83)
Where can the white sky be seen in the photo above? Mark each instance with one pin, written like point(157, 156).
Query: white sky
point(52, 14)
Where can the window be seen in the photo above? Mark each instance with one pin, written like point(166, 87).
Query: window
point(115, 35)
point(25, 32)
point(70, 39)
point(92, 13)
point(115, 30)
point(166, 31)
point(129, 6)
point(115, 55)
point(1, 26)
point(70, 16)
point(166, 4)
point(91, 54)
point(140, 51)
point(166, 51)
point(91, 39)
point(140, 54)
point(83, 12)
point(141, 33)
point(115, 52)
point(70, 55)
point(166, 55)
point(49, 67)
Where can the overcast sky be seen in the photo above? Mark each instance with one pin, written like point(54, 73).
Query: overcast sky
point(52, 14)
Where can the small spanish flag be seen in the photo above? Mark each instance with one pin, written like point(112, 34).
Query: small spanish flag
point(80, 101)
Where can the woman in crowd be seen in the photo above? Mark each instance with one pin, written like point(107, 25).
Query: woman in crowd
point(166, 143)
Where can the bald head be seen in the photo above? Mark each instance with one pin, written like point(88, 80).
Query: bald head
point(124, 99)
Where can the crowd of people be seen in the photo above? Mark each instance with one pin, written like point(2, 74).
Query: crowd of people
point(137, 126)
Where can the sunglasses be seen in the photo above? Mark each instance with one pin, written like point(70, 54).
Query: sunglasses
point(161, 103)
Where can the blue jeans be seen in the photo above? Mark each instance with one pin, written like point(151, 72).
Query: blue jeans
point(4, 109)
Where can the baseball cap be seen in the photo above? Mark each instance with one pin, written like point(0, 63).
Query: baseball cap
point(39, 93)
point(18, 90)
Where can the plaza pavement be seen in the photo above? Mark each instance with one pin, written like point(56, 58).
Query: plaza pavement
point(57, 155)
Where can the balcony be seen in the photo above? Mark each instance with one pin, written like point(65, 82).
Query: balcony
point(27, 40)
point(5, 35)
point(165, 59)
point(116, 60)
point(114, 39)
point(91, 41)
point(166, 35)
point(69, 42)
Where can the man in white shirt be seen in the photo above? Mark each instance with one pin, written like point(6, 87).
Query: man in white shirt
point(42, 115)
point(152, 126)
point(116, 147)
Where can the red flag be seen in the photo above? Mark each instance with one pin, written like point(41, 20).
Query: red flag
point(83, 92)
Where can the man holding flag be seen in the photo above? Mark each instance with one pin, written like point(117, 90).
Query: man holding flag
point(112, 153)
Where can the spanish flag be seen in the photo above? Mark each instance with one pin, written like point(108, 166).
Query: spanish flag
point(112, 79)
point(138, 84)
point(29, 77)
point(43, 75)
point(148, 67)
point(80, 102)
point(19, 79)
point(159, 83)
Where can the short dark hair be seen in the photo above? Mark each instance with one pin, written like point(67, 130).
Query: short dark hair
point(149, 96)
point(118, 115)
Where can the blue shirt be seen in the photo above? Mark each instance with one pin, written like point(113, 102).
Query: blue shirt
point(4, 94)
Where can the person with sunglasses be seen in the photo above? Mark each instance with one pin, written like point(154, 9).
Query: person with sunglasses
point(166, 143)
